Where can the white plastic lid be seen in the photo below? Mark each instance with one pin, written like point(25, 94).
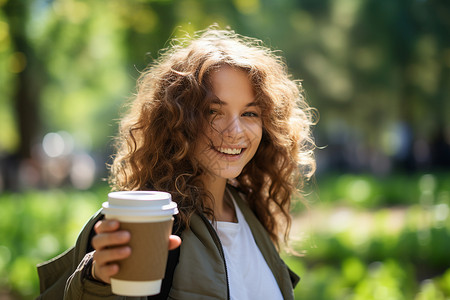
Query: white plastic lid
point(165, 210)
point(139, 203)
point(139, 198)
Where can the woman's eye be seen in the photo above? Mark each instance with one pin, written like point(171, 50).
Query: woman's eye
point(212, 111)
point(250, 114)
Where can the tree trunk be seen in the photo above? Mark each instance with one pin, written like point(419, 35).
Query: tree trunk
point(28, 82)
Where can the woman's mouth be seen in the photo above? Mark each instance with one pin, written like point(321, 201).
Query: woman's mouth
point(229, 151)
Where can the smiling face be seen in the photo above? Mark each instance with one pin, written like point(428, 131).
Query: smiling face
point(235, 130)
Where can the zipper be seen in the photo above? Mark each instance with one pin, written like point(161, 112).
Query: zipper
point(216, 239)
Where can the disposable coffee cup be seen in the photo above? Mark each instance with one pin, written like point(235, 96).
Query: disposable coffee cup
point(148, 216)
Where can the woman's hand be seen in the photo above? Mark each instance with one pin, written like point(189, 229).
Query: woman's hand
point(110, 246)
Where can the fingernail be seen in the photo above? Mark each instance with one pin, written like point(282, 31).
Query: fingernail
point(124, 234)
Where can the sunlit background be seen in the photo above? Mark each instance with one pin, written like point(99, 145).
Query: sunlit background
point(378, 71)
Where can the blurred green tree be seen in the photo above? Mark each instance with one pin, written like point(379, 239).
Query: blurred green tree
point(367, 65)
point(30, 78)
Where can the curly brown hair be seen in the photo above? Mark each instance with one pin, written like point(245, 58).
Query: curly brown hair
point(155, 146)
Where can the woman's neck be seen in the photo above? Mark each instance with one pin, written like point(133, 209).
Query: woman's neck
point(223, 210)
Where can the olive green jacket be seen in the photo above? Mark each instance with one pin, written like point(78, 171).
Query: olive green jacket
point(200, 271)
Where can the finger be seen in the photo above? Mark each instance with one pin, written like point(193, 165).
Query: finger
point(104, 240)
point(105, 272)
point(107, 256)
point(174, 242)
point(106, 226)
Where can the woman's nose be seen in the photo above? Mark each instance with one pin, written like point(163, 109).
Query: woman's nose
point(234, 129)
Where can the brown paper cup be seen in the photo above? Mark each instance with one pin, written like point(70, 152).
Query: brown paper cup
point(142, 272)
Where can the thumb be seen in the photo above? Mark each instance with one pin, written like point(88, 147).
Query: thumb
point(174, 242)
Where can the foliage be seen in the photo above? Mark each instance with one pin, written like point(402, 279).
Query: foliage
point(370, 191)
point(367, 250)
point(36, 226)
point(378, 72)
point(367, 66)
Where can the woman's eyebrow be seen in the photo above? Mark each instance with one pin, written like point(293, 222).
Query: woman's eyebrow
point(253, 103)
point(220, 102)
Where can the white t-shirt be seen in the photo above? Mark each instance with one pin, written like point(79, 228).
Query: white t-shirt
point(249, 276)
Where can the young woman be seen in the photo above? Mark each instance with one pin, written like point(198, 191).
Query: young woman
point(219, 124)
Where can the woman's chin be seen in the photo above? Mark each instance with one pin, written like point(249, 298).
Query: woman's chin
point(227, 174)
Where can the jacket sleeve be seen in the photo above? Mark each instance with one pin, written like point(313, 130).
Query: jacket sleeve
point(59, 281)
point(64, 277)
point(78, 286)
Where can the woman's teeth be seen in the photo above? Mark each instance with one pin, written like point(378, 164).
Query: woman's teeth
point(230, 151)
